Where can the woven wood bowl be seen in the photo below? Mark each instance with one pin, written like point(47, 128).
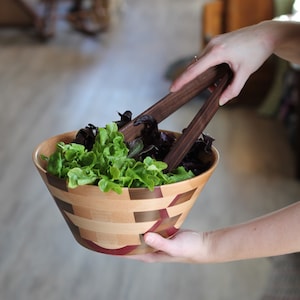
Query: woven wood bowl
point(114, 224)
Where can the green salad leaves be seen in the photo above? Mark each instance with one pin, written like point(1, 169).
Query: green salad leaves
point(108, 164)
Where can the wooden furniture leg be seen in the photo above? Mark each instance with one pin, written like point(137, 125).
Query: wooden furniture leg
point(46, 28)
point(18, 13)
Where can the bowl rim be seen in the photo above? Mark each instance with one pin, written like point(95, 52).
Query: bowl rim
point(36, 159)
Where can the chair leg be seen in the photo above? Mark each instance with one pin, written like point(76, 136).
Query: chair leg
point(46, 24)
point(90, 21)
point(101, 10)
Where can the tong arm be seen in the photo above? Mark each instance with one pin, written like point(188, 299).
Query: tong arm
point(173, 101)
point(217, 77)
point(197, 125)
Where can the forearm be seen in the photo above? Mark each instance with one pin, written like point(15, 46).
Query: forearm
point(273, 234)
point(284, 38)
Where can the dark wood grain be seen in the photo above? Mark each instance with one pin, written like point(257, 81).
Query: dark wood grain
point(218, 77)
point(173, 101)
point(199, 123)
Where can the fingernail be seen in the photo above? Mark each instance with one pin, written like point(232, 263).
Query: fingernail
point(223, 101)
point(173, 88)
point(149, 238)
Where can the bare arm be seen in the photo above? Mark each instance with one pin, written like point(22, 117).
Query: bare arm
point(245, 50)
point(273, 234)
point(287, 43)
point(277, 233)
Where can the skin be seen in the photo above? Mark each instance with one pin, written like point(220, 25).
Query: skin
point(270, 235)
point(257, 42)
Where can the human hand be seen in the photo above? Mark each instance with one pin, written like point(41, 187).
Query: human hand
point(244, 50)
point(273, 234)
point(186, 246)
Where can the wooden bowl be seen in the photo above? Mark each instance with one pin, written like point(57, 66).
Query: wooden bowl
point(114, 224)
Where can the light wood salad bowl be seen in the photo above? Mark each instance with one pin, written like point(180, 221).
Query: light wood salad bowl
point(113, 223)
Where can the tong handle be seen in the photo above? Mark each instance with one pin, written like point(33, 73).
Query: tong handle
point(197, 125)
point(173, 101)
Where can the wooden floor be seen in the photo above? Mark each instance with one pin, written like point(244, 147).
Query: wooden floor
point(74, 80)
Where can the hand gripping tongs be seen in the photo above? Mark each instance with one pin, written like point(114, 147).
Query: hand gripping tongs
point(217, 79)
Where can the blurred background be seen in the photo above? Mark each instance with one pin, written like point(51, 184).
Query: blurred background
point(62, 67)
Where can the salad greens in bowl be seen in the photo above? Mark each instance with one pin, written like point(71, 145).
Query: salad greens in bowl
point(111, 192)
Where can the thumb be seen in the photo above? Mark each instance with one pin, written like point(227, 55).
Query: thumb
point(157, 242)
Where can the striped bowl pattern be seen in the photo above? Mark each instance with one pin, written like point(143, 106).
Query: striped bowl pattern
point(114, 224)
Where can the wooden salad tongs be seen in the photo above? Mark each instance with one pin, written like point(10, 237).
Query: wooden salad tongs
point(217, 79)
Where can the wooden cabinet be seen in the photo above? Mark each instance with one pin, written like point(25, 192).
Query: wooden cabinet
point(241, 13)
point(220, 16)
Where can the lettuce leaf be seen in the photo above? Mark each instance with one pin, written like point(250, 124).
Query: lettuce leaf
point(109, 165)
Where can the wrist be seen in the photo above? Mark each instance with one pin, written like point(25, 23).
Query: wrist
point(221, 246)
point(206, 252)
point(268, 33)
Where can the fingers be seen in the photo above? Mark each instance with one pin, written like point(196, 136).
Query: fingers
point(234, 89)
point(163, 250)
point(155, 257)
point(241, 75)
point(157, 242)
point(216, 52)
point(189, 74)
point(186, 246)
point(211, 55)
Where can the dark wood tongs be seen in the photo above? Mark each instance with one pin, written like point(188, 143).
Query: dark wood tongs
point(217, 78)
